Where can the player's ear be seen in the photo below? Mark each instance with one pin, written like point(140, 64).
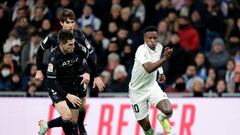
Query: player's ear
point(145, 37)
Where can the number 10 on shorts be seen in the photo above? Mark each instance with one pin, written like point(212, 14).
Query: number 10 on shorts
point(135, 108)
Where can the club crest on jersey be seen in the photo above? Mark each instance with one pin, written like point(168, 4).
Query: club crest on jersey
point(50, 67)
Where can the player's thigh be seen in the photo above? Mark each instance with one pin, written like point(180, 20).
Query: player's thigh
point(165, 106)
point(140, 109)
point(75, 114)
point(63, 109)
point(156, 95)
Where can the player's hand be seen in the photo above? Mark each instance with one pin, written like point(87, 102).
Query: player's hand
point(85, 78)
point(74, 100)
point(97, 82)
point(162, 78)
point(39, 75)
point(167, 52)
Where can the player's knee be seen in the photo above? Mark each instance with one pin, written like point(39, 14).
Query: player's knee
point(167, 111)
point(165, 107)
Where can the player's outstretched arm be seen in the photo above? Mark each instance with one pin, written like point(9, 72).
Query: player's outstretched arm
point(97, 82)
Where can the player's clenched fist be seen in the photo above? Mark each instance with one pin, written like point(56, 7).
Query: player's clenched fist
point(167, 52)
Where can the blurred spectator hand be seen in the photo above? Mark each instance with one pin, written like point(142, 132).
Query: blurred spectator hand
point(31, 90)
point(39, 75)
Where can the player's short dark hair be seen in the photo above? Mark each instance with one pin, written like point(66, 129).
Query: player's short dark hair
point(150, 28)
point(65, 35)
point(65, 14)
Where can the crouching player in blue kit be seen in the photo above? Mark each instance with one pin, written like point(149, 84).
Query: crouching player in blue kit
point(67, 21)
point(61, 82)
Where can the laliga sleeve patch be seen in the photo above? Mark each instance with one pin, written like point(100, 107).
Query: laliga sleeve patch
point(50, 67)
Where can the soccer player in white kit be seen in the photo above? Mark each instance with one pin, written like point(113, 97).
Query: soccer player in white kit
point(143, 87)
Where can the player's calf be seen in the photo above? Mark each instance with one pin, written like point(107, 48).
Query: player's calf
point(165, 111)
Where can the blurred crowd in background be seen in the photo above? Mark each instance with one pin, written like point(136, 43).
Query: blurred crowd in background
point(204, 34)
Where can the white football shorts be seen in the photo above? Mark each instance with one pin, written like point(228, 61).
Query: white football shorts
point(141, 103)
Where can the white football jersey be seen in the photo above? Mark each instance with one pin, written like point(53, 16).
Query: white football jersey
point(141, 80)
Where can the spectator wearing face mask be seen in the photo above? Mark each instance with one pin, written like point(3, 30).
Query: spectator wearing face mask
point(9, 61)
point(180, 58)
point(189, 37)
point(5, 78)
point(178, 86)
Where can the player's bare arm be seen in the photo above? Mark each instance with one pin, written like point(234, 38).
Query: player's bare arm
point(150, 67)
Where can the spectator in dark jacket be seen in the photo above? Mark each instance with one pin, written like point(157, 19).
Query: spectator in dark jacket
point(218, 56)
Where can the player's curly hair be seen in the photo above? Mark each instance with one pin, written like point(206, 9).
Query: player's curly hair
point(65, 14)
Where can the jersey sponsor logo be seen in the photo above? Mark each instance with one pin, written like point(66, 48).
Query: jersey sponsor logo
point(66, 63)
point(50, 67)
point(69, 62)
